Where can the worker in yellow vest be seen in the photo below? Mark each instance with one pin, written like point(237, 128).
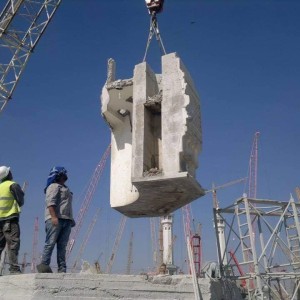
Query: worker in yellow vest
point(11, 199)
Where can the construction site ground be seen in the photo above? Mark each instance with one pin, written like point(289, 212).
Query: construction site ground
point(102, 286)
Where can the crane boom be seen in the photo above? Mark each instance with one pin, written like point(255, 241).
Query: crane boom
point(116, 244)
point(34, 245)
point(129, 260)
point(85, 241)
point(22, 23)
point(87, 200)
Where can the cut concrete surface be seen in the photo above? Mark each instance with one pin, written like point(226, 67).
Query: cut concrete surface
point(77, 286)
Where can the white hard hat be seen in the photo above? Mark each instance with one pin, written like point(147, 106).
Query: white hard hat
point(4, 172)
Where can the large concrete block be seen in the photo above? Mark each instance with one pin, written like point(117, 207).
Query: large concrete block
point(156, 138)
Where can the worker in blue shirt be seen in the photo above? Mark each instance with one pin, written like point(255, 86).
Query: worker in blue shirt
point(58, 220)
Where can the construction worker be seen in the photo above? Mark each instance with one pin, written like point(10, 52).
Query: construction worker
point(11, 199)
point(58, 220)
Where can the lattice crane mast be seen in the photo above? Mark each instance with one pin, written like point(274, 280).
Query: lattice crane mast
point(85, 241)
point(154, 240)
point(24, 263)
point(252, 188)
point(22, 23)
point(116, 244)
point(87, 200)
point(129, 260)
point(34, 245)
point(194, 238)
point(297, 190)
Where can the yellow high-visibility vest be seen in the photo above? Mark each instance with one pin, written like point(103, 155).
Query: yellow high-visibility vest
point(8, 204)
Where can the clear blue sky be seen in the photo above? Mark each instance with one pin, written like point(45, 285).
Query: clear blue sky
point(244, 59)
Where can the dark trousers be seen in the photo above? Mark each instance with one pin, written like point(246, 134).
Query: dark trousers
point(10, 236)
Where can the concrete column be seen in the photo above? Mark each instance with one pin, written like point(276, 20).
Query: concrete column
point(167, 227)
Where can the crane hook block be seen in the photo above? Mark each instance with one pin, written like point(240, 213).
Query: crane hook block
point(155, 138)
point(154, 6)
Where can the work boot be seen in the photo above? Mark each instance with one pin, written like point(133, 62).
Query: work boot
point(43, 268)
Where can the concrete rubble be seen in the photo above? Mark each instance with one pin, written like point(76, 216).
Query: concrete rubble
point(156, 138)
point(77, 286)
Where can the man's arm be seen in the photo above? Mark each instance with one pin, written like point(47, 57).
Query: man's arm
point(52, 198)
point(18, 194)
point(52, 212)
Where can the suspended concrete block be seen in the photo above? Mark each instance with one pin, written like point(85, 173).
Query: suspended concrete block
point(156, 138)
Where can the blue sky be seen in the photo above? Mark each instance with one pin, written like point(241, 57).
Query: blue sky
point(244, 59)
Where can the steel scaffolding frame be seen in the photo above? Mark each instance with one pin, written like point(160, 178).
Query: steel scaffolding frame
point(264, 236)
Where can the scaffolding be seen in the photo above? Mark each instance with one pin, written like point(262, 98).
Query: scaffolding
point(265, 234)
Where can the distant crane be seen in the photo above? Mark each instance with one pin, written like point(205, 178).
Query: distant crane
point(129, 261)
point(85, 241)
point(220, 222)
point(253, 162)
point(24, 263)
point(297, 190)
point(22, 23)
point(215, 188)
point(154, 240)
point(116, 244)
point(238, 267)
point(194, 239)
point(252, 192)
point(34, 245)
point(97, 264)
point(87, 200)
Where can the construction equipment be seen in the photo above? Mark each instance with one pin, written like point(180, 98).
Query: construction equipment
point(297, 190)
point(215, 188)
point(116, 244)
point(155, 242)
point(129, 261)
point(97, 263)
point(86, 238)
point(194, 240)
point(276, 247)
point(34, 245)
point(232, 255)
point(24, 263)
point(252, 188)
point(22, 24)
point(154, 7)
point(87, 200)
